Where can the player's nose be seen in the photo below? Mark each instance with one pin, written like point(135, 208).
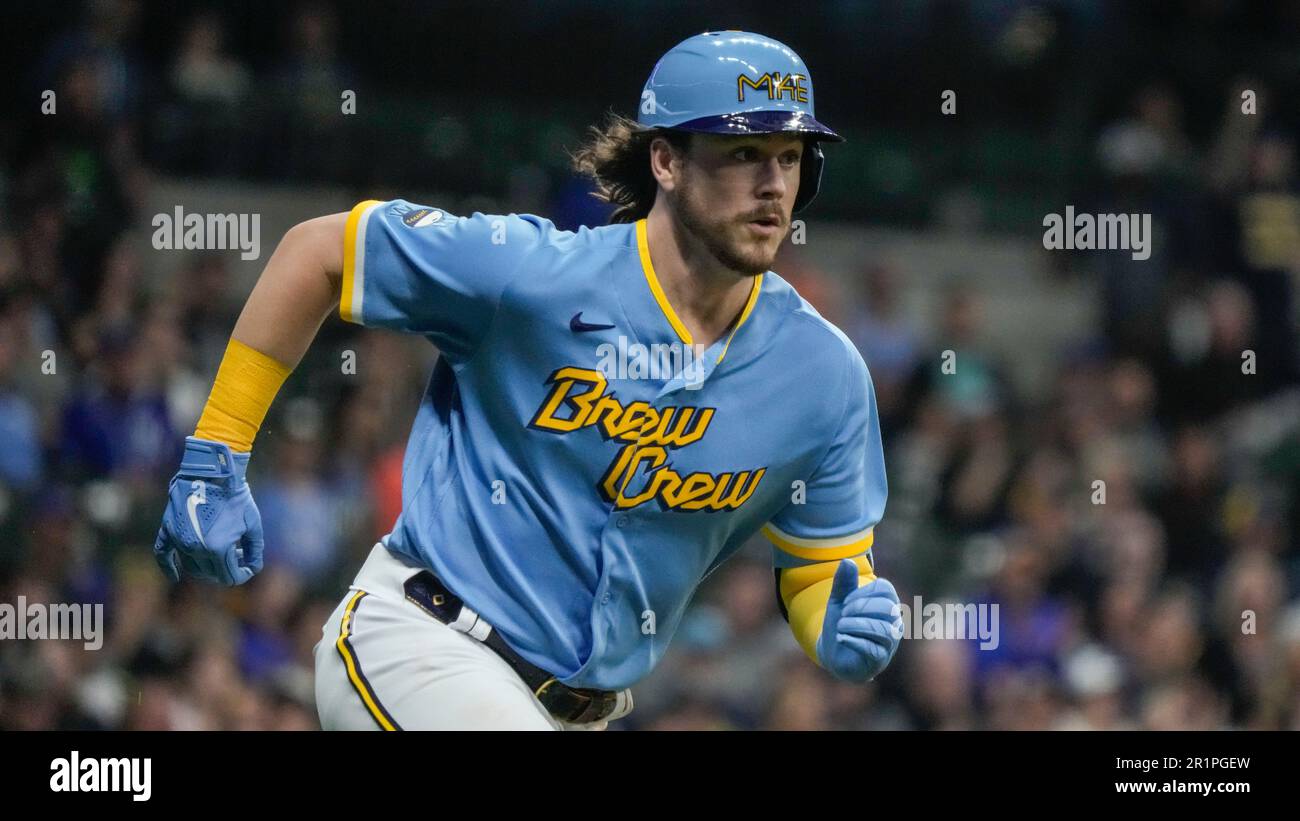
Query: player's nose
point(772, 183)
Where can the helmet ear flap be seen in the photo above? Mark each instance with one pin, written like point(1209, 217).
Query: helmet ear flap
point(810, 175)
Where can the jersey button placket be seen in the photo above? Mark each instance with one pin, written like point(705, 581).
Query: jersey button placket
point(623, 520)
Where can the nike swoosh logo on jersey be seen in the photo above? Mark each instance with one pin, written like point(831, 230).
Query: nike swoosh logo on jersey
point(578, 326)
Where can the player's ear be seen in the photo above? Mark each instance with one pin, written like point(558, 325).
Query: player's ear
point(666, 156)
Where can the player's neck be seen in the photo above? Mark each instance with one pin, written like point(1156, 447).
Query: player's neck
point(706, 296)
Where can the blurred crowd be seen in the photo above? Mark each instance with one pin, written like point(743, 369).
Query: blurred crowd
point(1133, 519)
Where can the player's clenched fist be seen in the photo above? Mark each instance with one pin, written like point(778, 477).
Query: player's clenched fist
point(211, 529)
point(862, 628)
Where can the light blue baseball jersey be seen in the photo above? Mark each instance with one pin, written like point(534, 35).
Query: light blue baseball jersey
point(568, 477)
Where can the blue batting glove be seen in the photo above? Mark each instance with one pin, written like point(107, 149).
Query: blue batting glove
point(863, 626)
point(211, 529)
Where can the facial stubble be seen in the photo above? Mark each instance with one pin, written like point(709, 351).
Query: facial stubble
point(713, 233)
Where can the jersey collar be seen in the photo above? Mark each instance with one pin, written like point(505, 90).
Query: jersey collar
point(713, 356)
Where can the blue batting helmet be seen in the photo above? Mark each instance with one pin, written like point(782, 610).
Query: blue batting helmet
point(736, 82)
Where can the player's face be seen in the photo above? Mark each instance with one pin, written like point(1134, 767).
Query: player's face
point(736, 195)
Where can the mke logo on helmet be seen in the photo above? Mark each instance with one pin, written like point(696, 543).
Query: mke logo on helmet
point(776, 86)
point(649, 434)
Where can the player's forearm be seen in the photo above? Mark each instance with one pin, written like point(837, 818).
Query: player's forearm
point(805, 592)
point(297, 289)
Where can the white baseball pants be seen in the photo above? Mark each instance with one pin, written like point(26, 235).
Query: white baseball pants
point(384, 663)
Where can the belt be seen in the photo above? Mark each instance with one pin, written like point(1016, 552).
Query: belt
point(568, 704)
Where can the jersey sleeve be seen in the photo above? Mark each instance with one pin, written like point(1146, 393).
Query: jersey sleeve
point(844, 497)
point(419, 269)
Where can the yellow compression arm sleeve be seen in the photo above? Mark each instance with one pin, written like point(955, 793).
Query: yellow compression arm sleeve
point(246, 383)
point(805, 592)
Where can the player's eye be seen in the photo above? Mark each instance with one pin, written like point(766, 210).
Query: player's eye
point(746, 154)
point(790, 159)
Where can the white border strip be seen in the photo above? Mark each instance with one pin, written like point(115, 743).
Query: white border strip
point(831, 541)
point(359, 265)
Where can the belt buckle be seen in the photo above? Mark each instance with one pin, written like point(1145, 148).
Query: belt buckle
point(427, 592)
point(595, 704)
point(543, 687)
point(557, 710)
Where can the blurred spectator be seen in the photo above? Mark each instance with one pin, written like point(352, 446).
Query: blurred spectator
point(309, 86)
point(1211, 372)
point(1095, 680)
point(1172, 637)
point(203, 72)
point(757, 639)
point(1145, 162)
point(940, 677)
point(207, 307)
point(1035, 629)
point(210, 91)
point(813, 284)
point(802, 700)
point(170, 359)
point(1191, 507)
point(1261, 252)
point(118, 424)
point(1185, 704)
point(22, 462)
point(81, 163)
point(961, 374)
point(887, 339)
point(104, 40)
point(1247, 620)
point(266, 644)
point(300, 511)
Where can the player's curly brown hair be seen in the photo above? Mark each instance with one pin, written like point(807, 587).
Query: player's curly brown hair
point(616, 157)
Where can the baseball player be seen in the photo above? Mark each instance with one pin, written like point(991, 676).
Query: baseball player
point(614, 413)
